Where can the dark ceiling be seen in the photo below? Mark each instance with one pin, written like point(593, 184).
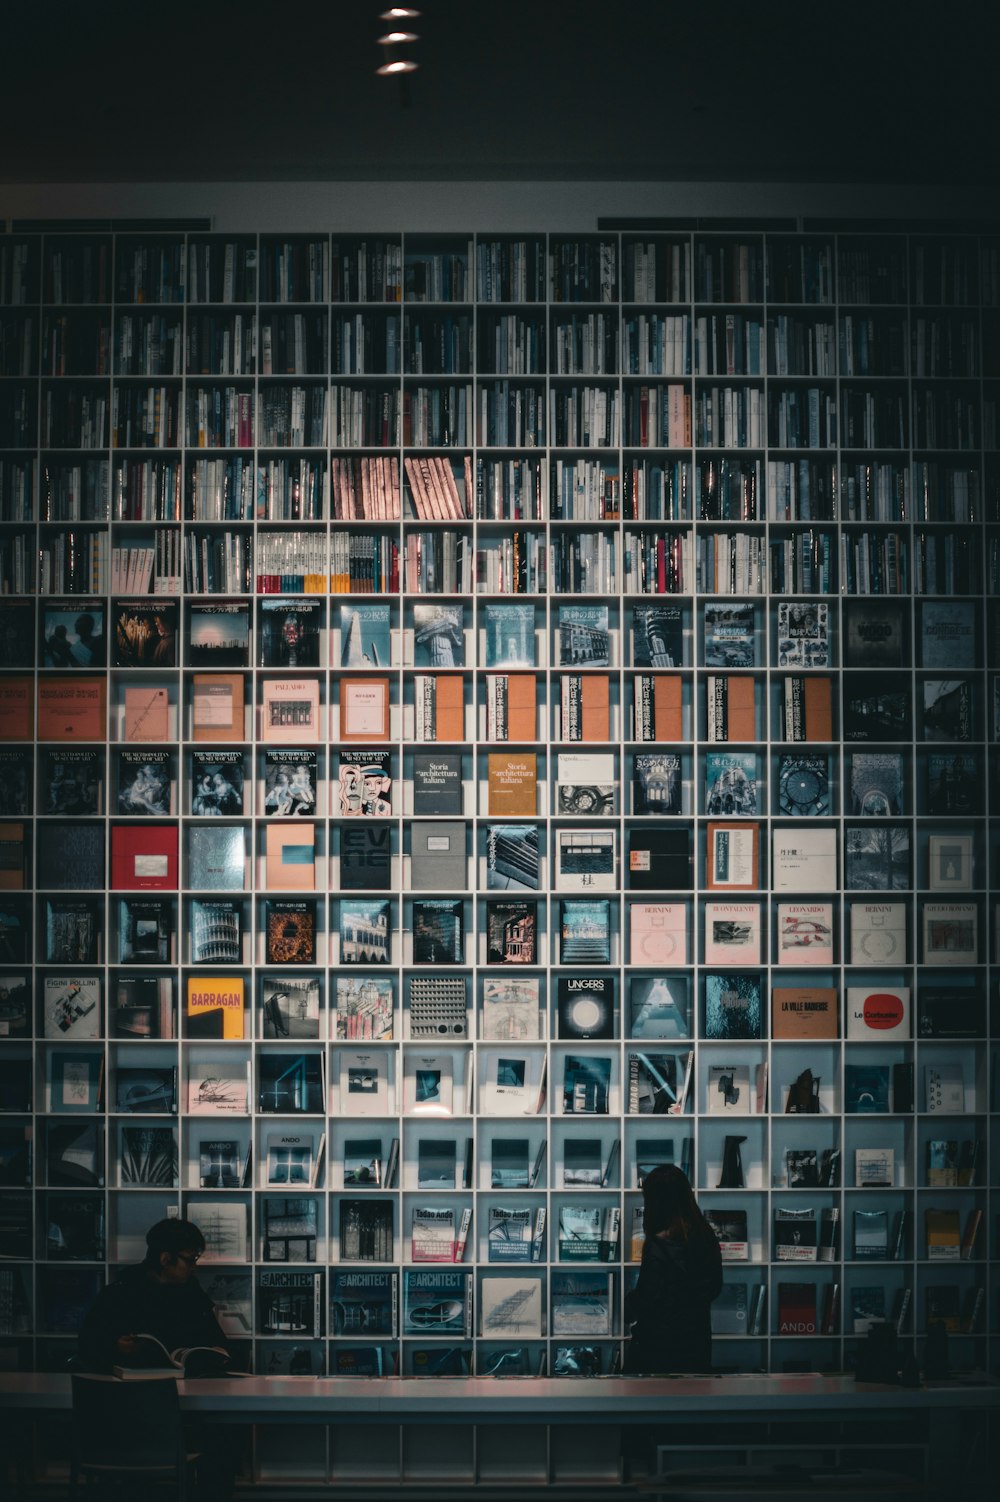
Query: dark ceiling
point(204, 90)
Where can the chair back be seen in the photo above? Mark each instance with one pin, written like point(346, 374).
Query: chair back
point(136, 1422)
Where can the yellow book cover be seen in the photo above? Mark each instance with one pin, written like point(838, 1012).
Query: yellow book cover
point(215, 1006)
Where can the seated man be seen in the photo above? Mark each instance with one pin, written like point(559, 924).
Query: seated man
point(161, 1296)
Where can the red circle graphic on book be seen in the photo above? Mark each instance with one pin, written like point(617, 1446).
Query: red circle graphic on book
point(883, 1010)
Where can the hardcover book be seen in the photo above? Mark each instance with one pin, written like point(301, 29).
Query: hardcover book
point(70, 782)
point(290, 711)
point(438, 636)
point(214, 1006)
point(586, 1085)
point(438, 932)
point(652, 1084)
point(216, 931)
point(658, 933)
point(144, 856)
point(217, 712)
point(876, 857)
point(428, 1083)
point(439, 707)
point(365, 785)
point(732, 933)
point(438, 860)
point(804, 1012)
point(289, 931)
point(586, 1006)
point(947, 709)
point(657, 707)
point(733, 1006)
point(144, 782)
point(218, 635)
point(216, 784)
point(659, 1007)
point(583, 636)
point(364, 931)
point(950, 933)
point(290, 857)
point(438, 1006)
point(142, 1006)
point(511, 933)
point(584, 931)
point(437, 1303)
point(585, 859)
point(804, 786)
point(877, 707)
point(808, 708)
point(365, 857)
point(364, 1303)
point(437, 783)
point(656, 783)
point(511, 1081)
point(72, 634)
point(730, 639)
point(216, 857)
point(805, 933)
point(364, 709)
point(584, 707)
point(512, 857)
point(585, 782)
point(731, 784)
point(67, 856)
point(290, 1084)
point(289, 633)
point(947, 634)
point(71, 709)
point(874, 634)
point(659, 858)
point(511, 1008)
point(732, 857)
point(145, 930)
point(17, 703)
point(221, 1088)
point(657, 636)
point(731, 708)
point(512, 784)
point(74, 930)
point(953, 783)
point(877, 1015)
point(511, 707)
point(145, 634)
point(803, 634)
point(364, 1083)
point(804, 859)
point(509, 1236)
point(363, 1007)
point(510, 635)
point(876, 783)
point(146, 713)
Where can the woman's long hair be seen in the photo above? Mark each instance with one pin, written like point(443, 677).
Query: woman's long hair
point(669, 1204)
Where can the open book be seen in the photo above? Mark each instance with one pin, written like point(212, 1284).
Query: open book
point(150, 1358)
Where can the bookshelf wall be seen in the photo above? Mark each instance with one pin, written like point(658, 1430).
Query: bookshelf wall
point(611, 493)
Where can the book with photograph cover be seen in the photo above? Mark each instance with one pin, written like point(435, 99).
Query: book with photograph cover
point(803, 634)
point(877, 707)
point(866, 1089)
point(15, 1005)
point(291, 1159)
point(731, 782)
point(511, 1081)
point(509, 1163)
point(948, 633)
point(74, 1227)
point(583, 637)
point(511, 937)
point(142, 1006)
point(364, 783)
point(511, 1008)
point(74, 930)
point(290, 1228)
point(438, 636)
point(364, 1083)
point(950, 933)
point(146, 1090)
point(877, 857)
point(289, 931)
point(74, 1153)
point(148, 1155)
point(365, 931)
point(145, 930)
point(290, 711)
point(364, 1165)
point(290, 1303)
point(16, 785)
point(290, 1006)
point(437, 1303)
point(656, 783)
point(659, 1006)
point(144, 781)
point(218, 635)
point(586, 1085)
point(438, 932)
point(366, 1230)
point(804, 785)
point(432, 1233)
point(290, 781)
point(73, 634)
point(437, 1160)
point(70, 782)
point(733, 1008)
point(584, 931)
point(732, 933)
point(216, 785)
point(876, 783)
point(220, 1163)
point(657, 636)
point(875, 633)
point(289, 633)
point(290, 1083)
point(364, 1303)
point(510, 635)
point(510, 1233)
point(512, 857)
point(730, 635)
point(581, 1304)
point(586, 1006)
point(144, 634)
point(437, 783)
point(363, 1007)
point(947, 709)
point(953, 783)
point(653, 1084)
point(730, 1227)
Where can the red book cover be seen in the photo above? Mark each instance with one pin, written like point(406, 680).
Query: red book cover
point(143, 857)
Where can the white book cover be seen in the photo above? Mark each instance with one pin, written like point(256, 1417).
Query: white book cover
point(804, 859)
point(364, 1083)
point(658, 933)
point(223, 1223)
point(874, 1167)
point(805, 933)
point(878, 933)
point(877, 1014)
point(945, 1086)
point(510, 1081)
point(511, 1008)
point(950, 931)
point(428, 1084)
point(732, 933)
point(511, 1308)
point(433, 1233)
point(585, 860)
point(218, 1088)
point(728, 1090)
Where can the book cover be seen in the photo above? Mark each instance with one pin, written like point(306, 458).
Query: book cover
point(216, 784)
point(364, 1083)
point(148, 1155)
point(586, 782)
point(438, 636)
point(732, 856)
point(437, 1303)
point(947, 709)
point(509, 1235)
point(289, 931)
point(585, 1006)
point(866, 1089)
point(804, 859)
point(216, 931)
point(363, 1007)
point(797, 1309)
point(512, 784)
point(17, 705)
point(659, 858)
point(876, 857)
point(144, 857)
point(581, 1303)
point(438, 1006)
point(803, 634)
point(652, 1084)
point(805, 933)
point(438, 932)
point(953, 783)
point(877, 707)
point(217, 712)
point(437, 783)
point(730, 1227)
point(875, 633)
point(366, 1233)
point(142, 1006)
point(428, 1085)
point(144, 634)
point(586, 1085)
point(145, 782)
point(289, 633)
point(731, 784)
point(511, 1081)
point(17, 633)
point(729, 1310)
point(659, 1006)
point(290, 1303)
point(220, 1163)
point(70, 782)
point(72, 709)
point(290, 1159)
point(218, 635)
point(290, 857)
point(804, 786)
point(795, 1235)
point(510, 933)
point(364, 709)
point(658, 933)
point(510, 635)
point(76, 1083)
point(73, 634)
point(944, 1087)
point(146, 929)
point(658, 707)
point(511, 1008)
point(290, 1084)
point(365, 857)
point(364, 931)
point(432, 1233)
point(583, 636)
point(732, 933)
point(730, 639)
point(731, 708)
point(951, 1011)
point(67, 856)
point(511, 707)
point(656, 783)
point(950, 933)
point(877, 1014)
point(804, 1012)
point(808, 708)
point(584, 707)
point(290, 711)
point(74, 930)
point(439, 707)
point(733, 1006)
point(584, 931)
point(657, 636)
point(214, 1006)
point(438, 860)
point(216, 857)
point(364, 1303)
point(512, 857)
point(948, 634)
point(147, 713)
point(219, 1088)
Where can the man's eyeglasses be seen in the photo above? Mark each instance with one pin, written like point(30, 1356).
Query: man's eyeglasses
point(191, 1258)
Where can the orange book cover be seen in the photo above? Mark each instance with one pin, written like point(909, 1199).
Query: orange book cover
point(215, 1006)
point(804, 1012)
point(290, 857)
point(364, 709)
point(72, 708)
point(819, 709)
point(521, 717)
point(668, 710)
point(449, 707)
point(512, 783)
point(731, 715)
point(595, 707)
point(16, 706)
point(217, 707)
point(147, 714)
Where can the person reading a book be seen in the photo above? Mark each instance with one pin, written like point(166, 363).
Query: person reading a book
point(680, 1275)
point(161, 1297)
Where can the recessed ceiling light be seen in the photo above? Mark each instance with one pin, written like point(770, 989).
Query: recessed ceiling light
point(396, 38)
point(399, 13)
point(402, 66)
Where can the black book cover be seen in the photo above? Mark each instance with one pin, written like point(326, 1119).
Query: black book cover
point(218, 636)
point(877, 707)
point(290, 931)
point(70, 856)
point(72, 633)
point(289, 633)
point(144, 779)
point(69, 781)
point(437, 782)
point(875, 634)
point(145, 634)
point(659, 859)
point(17, 633)
point(586, 1006)
point(365, 857)
point(216, 784)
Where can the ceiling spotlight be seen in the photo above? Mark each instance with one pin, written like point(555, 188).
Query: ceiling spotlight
point(399, 13)
point(404, 65)
point(397, 38)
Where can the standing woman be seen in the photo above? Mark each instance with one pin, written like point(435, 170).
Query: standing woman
point(681, 1273)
